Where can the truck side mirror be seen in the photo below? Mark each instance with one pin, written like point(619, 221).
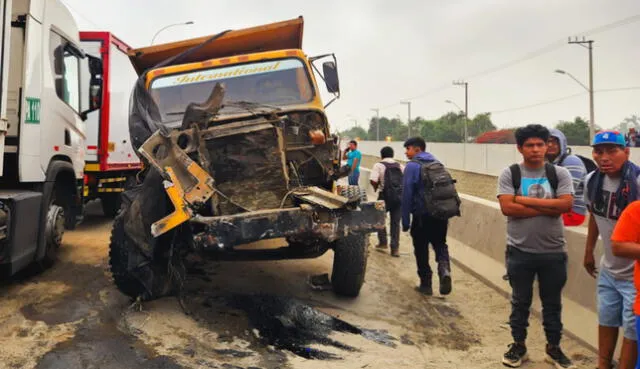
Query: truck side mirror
point(58, 61)
point(95, 81)
point(330, 71)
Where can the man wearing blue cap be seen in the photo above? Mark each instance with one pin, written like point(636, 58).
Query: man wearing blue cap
point(608, 191)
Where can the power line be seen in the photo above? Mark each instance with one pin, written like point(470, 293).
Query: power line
point(531, 55)
point(568, 97)
point(556, 45)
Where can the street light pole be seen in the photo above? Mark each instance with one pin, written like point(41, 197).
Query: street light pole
point(589, 43)
point(466, 106)
point(408, 103)
point(169, 26)
point(377, 124)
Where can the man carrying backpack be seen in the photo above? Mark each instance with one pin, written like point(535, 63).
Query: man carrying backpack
point(609, 190)
point(430, 198)
point(386, 176)
point(559, 154)
point(533, 195)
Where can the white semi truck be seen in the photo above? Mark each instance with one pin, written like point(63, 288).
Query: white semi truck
point(48, 85)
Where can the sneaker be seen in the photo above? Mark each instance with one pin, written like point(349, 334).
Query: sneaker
point(381, 247)
point(516, 355)
point(557, 357)
point(444, 272)
point(395, 253)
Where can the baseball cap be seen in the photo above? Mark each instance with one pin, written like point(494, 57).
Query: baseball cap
point(609, 138)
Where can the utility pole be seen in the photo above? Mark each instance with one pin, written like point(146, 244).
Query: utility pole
point(466, 106)
point(377, 123)
point(589, 46)
point(408, 103)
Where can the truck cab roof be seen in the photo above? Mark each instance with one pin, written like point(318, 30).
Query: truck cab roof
point(269, 37)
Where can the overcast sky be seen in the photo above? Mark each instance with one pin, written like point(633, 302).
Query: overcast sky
point(413, 49)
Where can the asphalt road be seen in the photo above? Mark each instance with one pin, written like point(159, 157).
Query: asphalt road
point(252, 315)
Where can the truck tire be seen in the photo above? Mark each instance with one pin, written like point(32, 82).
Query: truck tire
point(155, 272)
point(349, 264)
point(110, 204)
point(119, 251)
point(54, 230)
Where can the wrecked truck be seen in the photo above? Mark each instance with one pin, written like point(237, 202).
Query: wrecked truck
point(236, 149)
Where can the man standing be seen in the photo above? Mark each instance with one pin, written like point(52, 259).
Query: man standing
point(609, 190)
point(386, 176)
point(533, 195)
point(425, 229)
point(559, 154)
point(353, 157)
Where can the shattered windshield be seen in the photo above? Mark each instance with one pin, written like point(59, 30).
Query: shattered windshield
point(275, 82)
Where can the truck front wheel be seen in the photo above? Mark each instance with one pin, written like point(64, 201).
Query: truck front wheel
point(53, 232)
point(129, 279)
point(349, 264)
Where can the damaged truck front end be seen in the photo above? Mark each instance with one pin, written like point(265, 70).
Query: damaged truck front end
point(237, 150)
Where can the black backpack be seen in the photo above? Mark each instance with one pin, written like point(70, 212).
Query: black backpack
point(549, 171)
point(441, 199)
point(392, 185)
point(588, 163)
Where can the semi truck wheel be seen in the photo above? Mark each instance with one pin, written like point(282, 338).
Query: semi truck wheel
point(349, 264)
point(53, 232)
point(110, 204)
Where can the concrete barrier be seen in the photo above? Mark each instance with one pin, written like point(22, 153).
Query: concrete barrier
point(489, 159)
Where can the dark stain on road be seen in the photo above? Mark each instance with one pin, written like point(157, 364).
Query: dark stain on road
point(288, 324)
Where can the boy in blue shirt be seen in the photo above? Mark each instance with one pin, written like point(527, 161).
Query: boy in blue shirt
point(353, 157)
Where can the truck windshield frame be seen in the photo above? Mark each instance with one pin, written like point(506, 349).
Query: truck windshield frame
point(279, 82)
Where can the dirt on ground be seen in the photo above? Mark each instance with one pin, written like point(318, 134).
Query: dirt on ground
point(252, 315)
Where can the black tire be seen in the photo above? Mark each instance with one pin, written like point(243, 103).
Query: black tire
point(111, 204)
point(349, 264)
point(119, 251)
point(53, 233)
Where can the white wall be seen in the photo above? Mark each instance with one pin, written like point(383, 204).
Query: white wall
point(488, 159)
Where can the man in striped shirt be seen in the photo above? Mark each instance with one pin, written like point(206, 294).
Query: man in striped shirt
point(559, 154)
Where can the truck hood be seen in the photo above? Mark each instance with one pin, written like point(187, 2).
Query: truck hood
point(269, 37)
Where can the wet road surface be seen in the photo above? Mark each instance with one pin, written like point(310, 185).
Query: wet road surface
point(251, 315)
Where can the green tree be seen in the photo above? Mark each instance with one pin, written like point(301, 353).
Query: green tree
point(480, 124)
point(353, 133)
point(388, 127)
point(577, 132)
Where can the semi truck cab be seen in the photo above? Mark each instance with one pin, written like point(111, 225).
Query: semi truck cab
point(46, 81)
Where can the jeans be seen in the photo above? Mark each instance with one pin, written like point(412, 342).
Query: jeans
point(427, 230)
point(551, 270)
point(395, 215)
point(354, 178)
point(615, 303)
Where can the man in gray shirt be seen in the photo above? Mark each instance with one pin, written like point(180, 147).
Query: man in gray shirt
point(608, 191)
point(533, 195)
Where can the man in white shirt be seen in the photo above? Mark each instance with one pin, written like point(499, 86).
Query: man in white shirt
point(386, 178)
